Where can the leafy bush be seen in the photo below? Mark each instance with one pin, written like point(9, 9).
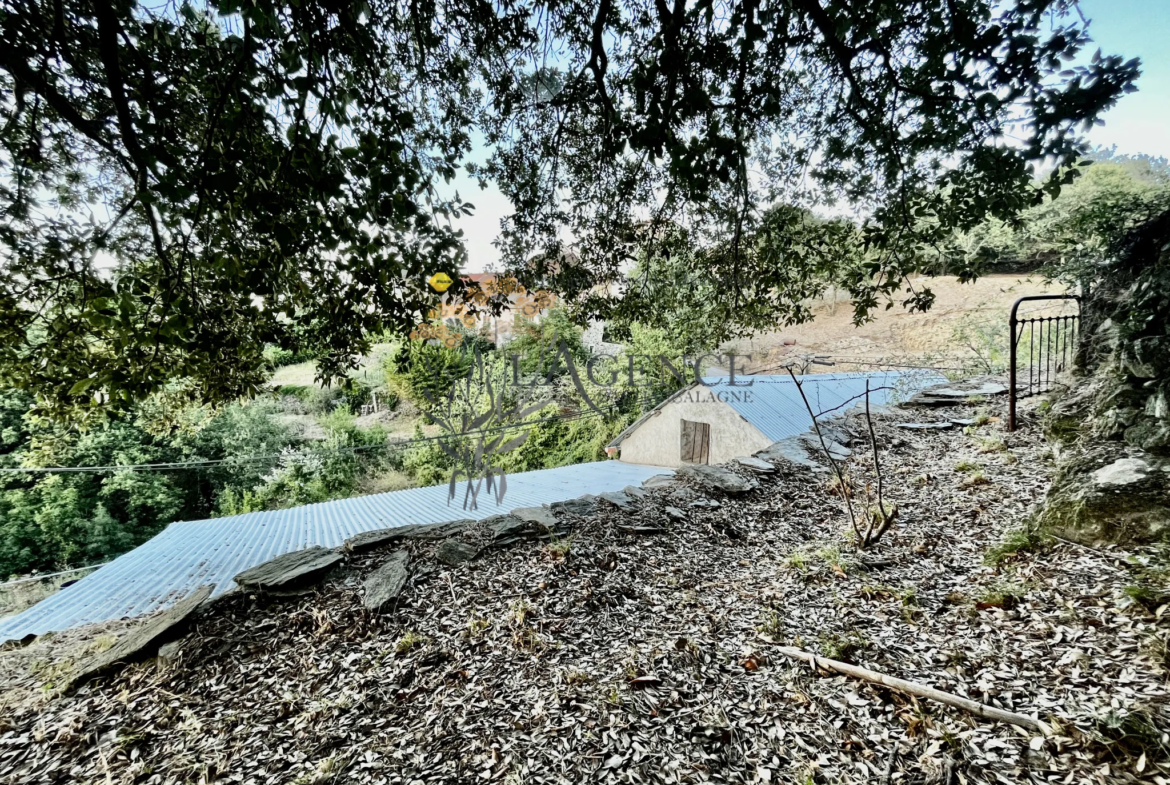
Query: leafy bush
point(424, 372)
point(62, 520)
point(537, 346)
point(277, 357)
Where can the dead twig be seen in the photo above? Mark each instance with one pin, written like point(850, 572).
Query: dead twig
point(841, 484)
point(918, 690)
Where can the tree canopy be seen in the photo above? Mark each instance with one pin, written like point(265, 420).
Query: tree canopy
point(182, 184)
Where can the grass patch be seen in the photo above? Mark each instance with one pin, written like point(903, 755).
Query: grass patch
point(842, 647)
point(1014, 544)
point(1125, 736)
point(967, 466)
point(1005, 595)
point(990, 444)
point(974, 479)
point(772, 624)
point(409, 640)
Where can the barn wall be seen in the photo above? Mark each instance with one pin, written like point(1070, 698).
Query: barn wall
point(656, 441)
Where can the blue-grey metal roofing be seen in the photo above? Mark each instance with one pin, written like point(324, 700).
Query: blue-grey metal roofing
point(188, 554)
point(774, 406)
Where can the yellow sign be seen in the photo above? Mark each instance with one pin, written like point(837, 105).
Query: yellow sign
point(440, 282)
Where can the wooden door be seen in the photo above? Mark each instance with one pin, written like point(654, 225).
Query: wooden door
point(696, 442)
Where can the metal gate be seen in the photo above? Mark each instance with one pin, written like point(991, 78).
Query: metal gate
point(1051, 346)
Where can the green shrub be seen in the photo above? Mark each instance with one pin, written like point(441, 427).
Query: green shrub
point(425, 372)
point(278, 357)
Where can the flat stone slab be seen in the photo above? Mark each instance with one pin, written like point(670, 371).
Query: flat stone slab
point(658, 481)
point(618, 499)
point(452, 552)
point(705, 504)
point(440, 531)
point(583, 505)
point(290, 570)
point(512, 528)
point(718, 478)
point(987, 388)
point(675, 513)
point(791, 449)
point(757, 465)
point(926, 426)
point(634, 492)
point(414, 531)
point(143, 641)
point(383, 586)
point(837, 451)
point(540, 516)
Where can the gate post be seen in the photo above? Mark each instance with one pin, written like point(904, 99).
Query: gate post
point(1012, 322)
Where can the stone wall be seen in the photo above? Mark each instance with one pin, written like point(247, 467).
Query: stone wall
point(1110, 431)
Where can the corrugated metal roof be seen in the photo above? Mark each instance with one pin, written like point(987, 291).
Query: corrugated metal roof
point(774, 406)
point(188, 554)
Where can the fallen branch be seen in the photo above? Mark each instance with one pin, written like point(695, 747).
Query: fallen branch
point(918, 690)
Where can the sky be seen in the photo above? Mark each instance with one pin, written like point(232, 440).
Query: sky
point(1140, 123)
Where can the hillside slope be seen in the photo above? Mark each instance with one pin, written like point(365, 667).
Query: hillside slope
point(619, 656)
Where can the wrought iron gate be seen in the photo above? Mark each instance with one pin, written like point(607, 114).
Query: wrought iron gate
point(1051, 347)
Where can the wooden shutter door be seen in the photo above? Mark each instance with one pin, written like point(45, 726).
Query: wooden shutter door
point(695, 444)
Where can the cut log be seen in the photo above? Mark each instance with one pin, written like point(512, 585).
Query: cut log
point(918, 690)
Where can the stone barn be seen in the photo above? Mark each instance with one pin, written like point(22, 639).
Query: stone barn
point(716, 421)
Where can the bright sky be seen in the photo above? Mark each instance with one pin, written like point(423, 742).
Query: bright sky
point(1140, 123)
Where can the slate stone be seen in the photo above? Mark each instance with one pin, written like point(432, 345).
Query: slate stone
point(945, 425)
point(290, 570)
point(634, 492)
point(383, 586)
point(962, 422)
point(617, 499)
point(540, 516)
point(440, 531)
point(414, 531)
point(705, 503)
point(584, 505)
point(453, 552)
point(170, 651)
point(791, 449)
point(757, 465)
point(718, 478)
point(950, 395)
point(681, 495)
point(837, 451)
point(143, 641)
point(676, 514)
point(506, 529)
point(987, 388)
point(659, 481)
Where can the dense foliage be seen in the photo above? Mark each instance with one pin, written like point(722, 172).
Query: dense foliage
point(182, 184)
point(66, 519)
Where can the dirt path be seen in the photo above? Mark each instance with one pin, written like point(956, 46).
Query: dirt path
point(611, 657)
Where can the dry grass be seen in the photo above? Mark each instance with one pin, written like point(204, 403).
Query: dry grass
point(16, 597)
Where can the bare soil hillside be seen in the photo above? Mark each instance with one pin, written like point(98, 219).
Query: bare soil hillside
point(963, 313)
